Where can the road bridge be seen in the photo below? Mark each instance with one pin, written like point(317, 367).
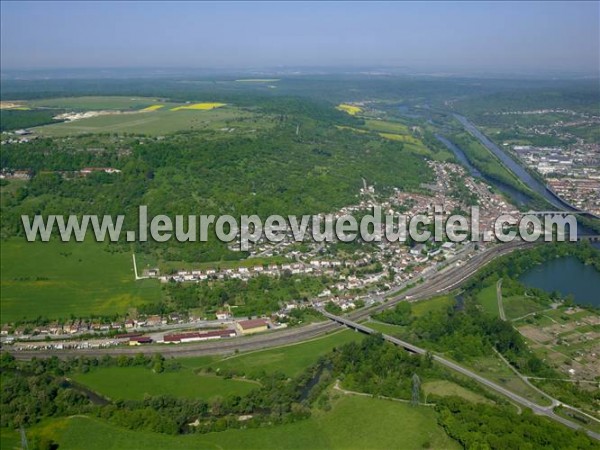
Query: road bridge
point(440, 282)
point(537, 409)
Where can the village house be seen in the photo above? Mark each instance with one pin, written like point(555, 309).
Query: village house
point(223, 315)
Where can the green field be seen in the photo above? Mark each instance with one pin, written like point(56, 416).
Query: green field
point(353, 423)
point(385, 126)
point(387, 328)
point(486, 162)
point(57, 280)
point(519, 306)
point(159, 122)
point(133, 383)
point(9, 439)
point(399, 132)
point(95, 103)
point(423, 307)
point(290, 359)
point(489, 300)
point(444, 388)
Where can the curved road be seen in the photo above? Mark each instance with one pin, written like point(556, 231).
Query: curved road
point(441, 282)
point(538, 409)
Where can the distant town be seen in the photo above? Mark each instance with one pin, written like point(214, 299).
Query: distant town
point(572, 173)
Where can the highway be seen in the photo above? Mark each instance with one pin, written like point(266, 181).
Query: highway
point(538, 409)
point(444, 281)
point(441, 282)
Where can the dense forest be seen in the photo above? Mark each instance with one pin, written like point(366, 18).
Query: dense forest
point(470, 95)
point(14, 119)
point(206, 173)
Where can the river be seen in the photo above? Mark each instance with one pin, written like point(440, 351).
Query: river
point(569, 276)
point(533, 183)
point(514, 194)
point(517, 196)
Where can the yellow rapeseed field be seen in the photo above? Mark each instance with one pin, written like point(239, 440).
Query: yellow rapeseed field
point(199, 106)
point(350, 109)
point(151, 108)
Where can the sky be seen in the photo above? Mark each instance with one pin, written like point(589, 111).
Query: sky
point(442, 36)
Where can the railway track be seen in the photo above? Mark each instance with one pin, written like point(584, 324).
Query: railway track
point(442, 282)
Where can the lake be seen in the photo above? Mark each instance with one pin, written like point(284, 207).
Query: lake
point(567, 275)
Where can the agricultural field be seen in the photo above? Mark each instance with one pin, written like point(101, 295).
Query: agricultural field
point(133, 383)
point(120, 103)
point(386, 126)
point(367, 423)
point(122, 114)
point(206, 106)
point(158, 121)
point(290, 359)
point(568, 339)
point(398, 132)
point(350, 109)
point(57, 280)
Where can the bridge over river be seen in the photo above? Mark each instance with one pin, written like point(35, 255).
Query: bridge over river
point(517, 169)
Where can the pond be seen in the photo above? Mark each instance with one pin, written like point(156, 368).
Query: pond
point(569, 276)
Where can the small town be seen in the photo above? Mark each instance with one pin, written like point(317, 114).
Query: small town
point(359, 279)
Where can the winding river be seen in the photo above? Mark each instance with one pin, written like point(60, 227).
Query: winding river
point(533, 183)
point(516, 195)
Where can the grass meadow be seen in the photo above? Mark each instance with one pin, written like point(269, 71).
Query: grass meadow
point(145, 116)
point(57, 280)
point(489, 300)
point(133, 383)
point(519, 306)
point(446, 388)
point(157, 122)
point(352, 423)
point(290, 359)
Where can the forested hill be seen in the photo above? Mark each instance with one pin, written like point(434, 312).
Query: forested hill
point(293, 160)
